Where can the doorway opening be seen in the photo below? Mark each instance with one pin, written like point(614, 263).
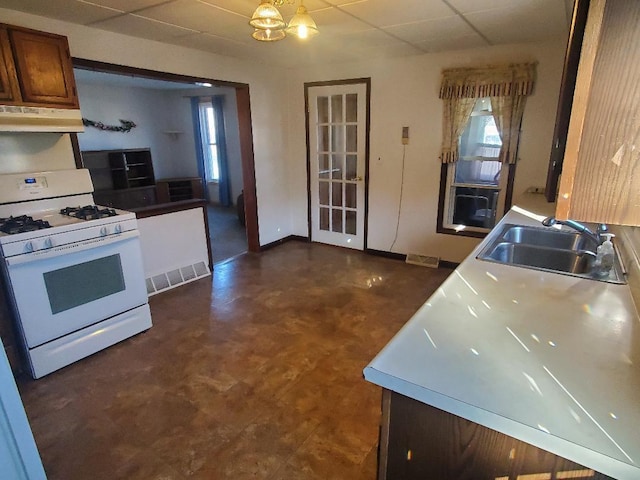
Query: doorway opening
point(178, 140)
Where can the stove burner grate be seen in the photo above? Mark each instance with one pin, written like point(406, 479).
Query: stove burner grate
point(88, 212)
point(21, 224)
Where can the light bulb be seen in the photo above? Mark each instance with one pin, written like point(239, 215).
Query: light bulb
point(303, 32)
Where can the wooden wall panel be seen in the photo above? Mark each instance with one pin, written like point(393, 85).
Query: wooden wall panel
point(601, 175)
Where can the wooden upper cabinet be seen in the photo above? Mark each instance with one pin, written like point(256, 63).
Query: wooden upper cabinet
point(9, 90)
point(601, 172)
point(42, 67)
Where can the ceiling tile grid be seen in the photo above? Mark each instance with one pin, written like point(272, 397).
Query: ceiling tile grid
point(349, 29)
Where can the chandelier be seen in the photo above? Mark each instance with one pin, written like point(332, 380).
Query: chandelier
point(269, 26)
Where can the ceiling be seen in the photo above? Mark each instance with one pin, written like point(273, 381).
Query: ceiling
point(349, 29)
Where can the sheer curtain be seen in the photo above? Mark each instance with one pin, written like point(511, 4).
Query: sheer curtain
point(202, 133)
point(507, 113)
point(506, 85)
point(455, 116)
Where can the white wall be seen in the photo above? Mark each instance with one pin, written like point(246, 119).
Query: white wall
point(268, 100)
point(35, 152)
point(405, 93)
point(153, 111)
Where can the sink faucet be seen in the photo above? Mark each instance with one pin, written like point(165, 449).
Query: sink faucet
point(582, 229)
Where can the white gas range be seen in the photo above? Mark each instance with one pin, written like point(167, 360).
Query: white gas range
point(73, 270)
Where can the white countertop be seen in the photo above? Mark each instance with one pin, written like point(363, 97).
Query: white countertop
point(549, 359)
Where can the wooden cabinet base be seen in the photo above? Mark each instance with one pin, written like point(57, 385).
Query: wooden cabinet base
point(418, 441)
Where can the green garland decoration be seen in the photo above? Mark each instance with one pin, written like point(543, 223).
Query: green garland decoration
point(126, 126)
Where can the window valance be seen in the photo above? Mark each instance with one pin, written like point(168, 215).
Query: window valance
point(497, 81)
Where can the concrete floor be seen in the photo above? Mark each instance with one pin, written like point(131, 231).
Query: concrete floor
point(255, 372)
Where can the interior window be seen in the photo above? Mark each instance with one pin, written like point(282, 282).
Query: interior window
point(474, 191)
point(209, 141)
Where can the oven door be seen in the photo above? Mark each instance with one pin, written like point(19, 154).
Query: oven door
point(64, 289)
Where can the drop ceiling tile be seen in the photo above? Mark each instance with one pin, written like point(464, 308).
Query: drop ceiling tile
point(444, 44)
point(125, 5)
point(383, 13)
point(415, 32)
point(536, 21)
point(130, 24)
point(470, 6)
point(364, 39)
point(65, 10)
point(335, 22)
point(198, 16)
point(208, 43)
point(241, 7)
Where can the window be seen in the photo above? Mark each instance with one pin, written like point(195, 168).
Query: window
point(474, 180)
point(209, 141)
point(481, 118)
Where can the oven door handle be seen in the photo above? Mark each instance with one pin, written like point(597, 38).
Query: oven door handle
point(71, 248)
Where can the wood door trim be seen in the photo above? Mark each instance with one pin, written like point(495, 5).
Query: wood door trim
point(332, 83)
point(565, 100)
point(244, 124)
point(97, 66)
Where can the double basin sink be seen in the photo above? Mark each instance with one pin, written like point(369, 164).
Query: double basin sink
point(548, 249)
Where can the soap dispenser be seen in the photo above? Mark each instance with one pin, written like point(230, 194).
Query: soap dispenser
point(605, 255)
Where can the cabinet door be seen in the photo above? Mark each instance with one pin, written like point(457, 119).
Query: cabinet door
point(421, 442)
point(9, 90)
point(600, 177)
point(44, 68)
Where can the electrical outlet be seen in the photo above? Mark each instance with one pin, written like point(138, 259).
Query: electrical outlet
point(539, 190)
point(405, 135)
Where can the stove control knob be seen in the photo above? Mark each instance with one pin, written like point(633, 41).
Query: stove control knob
point(28, 247)
point(118, 228)
point(103, 231)
point(48, 243)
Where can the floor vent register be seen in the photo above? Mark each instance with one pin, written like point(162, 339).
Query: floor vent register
point(175, 278)
point(423, 260)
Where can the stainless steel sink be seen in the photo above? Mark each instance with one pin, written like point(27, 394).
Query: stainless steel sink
point(549, 250)
point(547, 237)
point(567, 261)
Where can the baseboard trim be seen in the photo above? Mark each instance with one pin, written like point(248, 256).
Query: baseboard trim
point(402, 257)
point(296, 238)
point(446, 264)
point(385, 254)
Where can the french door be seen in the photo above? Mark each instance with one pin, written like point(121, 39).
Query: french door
point(337, 119)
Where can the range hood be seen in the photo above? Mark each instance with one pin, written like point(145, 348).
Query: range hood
point(15, 118)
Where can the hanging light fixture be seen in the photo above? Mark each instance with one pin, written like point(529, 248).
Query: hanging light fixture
point(268, 35)
point(269, 26)
point(302, 24)
point(267, 17)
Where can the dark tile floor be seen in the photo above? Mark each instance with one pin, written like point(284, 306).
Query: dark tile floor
point(253, 373)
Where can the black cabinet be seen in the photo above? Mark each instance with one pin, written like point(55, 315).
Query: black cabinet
point(131, 168)
point(121, 178)
point(176, 189)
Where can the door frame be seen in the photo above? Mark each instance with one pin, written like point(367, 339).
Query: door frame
point(244, 123)
point(351, 81)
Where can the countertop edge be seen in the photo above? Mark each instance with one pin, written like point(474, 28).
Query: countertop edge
point(556, 445)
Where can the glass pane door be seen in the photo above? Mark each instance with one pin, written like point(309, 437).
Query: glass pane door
point(337, 139)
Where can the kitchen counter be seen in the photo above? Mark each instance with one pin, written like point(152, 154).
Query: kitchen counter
point(549, 359)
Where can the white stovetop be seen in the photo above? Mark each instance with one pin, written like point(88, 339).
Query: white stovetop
point(549, 359)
